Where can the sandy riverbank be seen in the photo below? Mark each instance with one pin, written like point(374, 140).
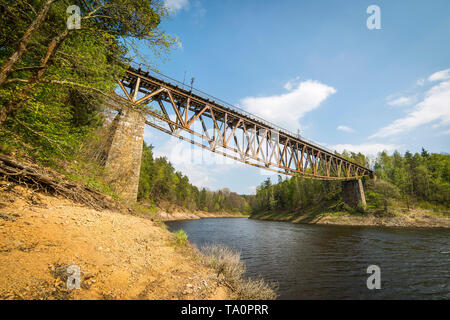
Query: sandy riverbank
point(187, 215)
point(417, 218)
point(120, 256)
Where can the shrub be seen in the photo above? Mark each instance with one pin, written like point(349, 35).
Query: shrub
point(228, 264)
point(381, 194)
point(361, 208)
point(256, 289)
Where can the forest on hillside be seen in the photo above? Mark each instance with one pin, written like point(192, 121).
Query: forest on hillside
point(159, 182)
point(420, 179)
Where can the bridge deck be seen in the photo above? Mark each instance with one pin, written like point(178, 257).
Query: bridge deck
point(195, 117)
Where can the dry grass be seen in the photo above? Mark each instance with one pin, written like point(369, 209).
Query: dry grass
point(229, 265)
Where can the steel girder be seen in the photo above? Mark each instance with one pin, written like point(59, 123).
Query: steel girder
point(232, 133)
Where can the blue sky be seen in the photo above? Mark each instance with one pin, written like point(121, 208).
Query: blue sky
point(315, 66)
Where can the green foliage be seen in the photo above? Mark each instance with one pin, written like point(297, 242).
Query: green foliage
point(181, 238)
point(292, 194)
point(67, 104)
point(159, 182)
point(422, 179)
point(380, 194)
point(358, 158)
point(361, 208)
point(418, 178)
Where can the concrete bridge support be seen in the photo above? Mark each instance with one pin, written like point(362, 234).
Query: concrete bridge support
point(123, 161)
point(353, 193)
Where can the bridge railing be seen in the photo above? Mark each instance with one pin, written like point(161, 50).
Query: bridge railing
point(230, 106)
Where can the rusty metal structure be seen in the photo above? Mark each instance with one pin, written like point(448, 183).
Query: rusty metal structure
point(217, 126)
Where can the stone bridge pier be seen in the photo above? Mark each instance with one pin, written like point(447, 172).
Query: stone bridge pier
point(353, 193)
point(123, 160)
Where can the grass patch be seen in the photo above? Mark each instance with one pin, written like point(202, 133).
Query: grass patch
point(435, 209)
point(144, 211)
point(148, 211)
point(181, 238)
point(90, 174)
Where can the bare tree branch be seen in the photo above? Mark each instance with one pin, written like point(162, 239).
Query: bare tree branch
point(23, 43)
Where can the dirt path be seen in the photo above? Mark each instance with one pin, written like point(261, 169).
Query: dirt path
point(120, 256)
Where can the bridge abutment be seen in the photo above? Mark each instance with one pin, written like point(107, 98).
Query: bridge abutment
point(123, 161)
point(353, 193)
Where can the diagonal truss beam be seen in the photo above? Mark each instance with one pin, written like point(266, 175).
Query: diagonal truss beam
point(233, 133)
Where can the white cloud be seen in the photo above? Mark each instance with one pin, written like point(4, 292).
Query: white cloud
point(200, 11)
point(421, 82)
point(287, 109)
point(446, 132)
point(435, 107)
point(292, 83)
point(440, 75)
point(345, 129)
point(176, 5)
point(195, 7)
point(369, 149)
point(401, 101)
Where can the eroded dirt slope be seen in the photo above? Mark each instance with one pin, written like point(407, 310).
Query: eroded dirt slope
point(120, 256)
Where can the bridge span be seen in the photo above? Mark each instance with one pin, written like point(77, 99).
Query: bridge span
point(193, 116)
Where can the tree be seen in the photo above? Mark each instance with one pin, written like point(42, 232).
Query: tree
point(415, 178)
point(57, 92)
point(11, 62)
point(115, 21)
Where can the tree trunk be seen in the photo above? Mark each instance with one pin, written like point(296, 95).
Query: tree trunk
point(7, 68)
point(12, 106)
point(52, 49)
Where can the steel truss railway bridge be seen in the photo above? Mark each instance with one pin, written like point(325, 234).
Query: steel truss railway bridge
point(150, 98)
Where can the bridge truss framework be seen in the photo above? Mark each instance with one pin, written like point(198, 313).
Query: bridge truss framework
point(231, 132)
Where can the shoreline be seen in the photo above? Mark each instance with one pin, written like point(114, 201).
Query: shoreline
point(416, 218)
point(188, 215)
point(189, 219)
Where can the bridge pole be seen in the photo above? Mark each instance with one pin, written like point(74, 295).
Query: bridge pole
point(123, 161)
point(353, 193)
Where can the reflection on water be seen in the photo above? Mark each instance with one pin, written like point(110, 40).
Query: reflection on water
point(330, 262)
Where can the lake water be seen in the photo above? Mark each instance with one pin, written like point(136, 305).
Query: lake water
point(330, 262)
